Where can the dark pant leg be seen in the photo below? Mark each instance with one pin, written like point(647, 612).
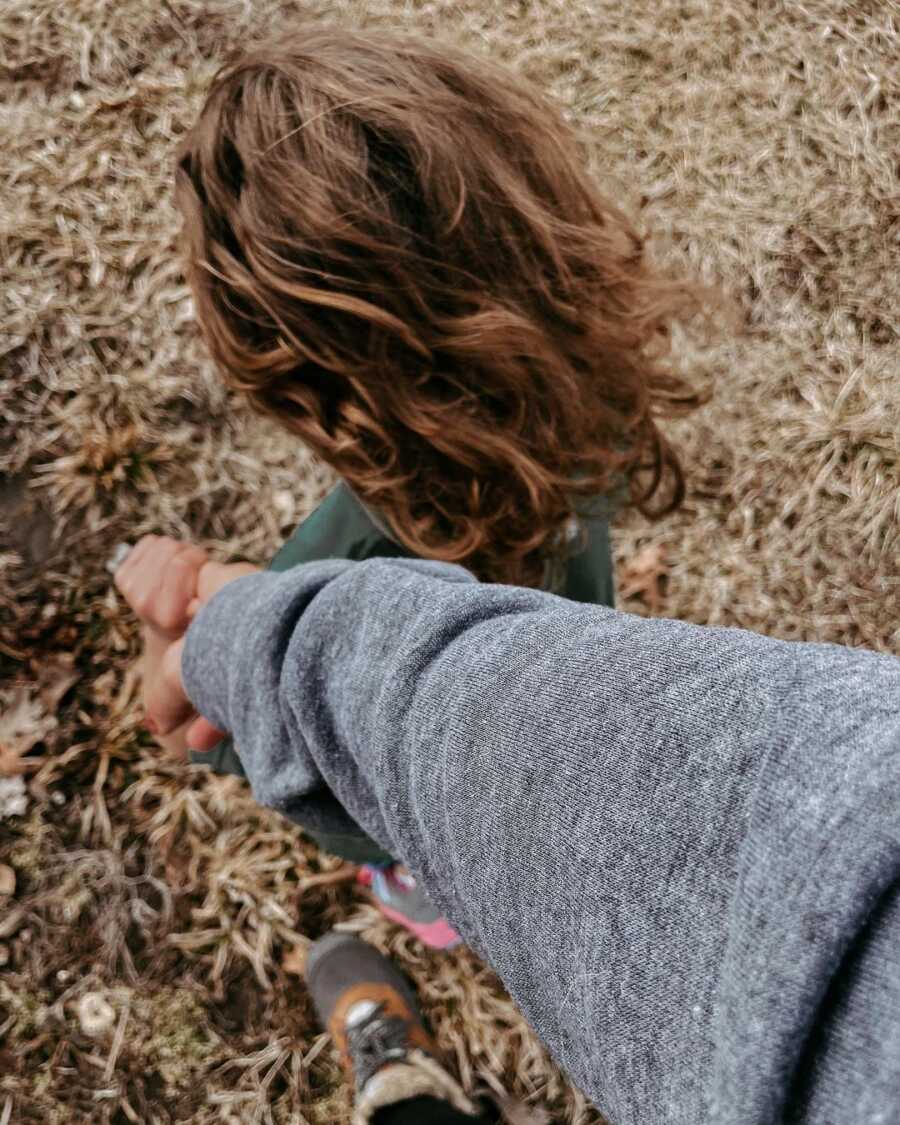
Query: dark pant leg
point(223, 758)
point(355, 847)
point(424, 1111)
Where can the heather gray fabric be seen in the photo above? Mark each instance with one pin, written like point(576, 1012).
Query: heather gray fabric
point(678, 847)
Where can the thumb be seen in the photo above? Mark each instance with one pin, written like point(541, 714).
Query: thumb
point(202, 736)
point(165, 702)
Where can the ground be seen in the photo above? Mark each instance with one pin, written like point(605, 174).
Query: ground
point(756, 142)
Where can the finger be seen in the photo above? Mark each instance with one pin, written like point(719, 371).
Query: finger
point(177, 587)
point(173, 745)
point(138, 550)
point(125, 572)
point(165, 702)
point(145, 582)
point(132, 576)
point(202, 736)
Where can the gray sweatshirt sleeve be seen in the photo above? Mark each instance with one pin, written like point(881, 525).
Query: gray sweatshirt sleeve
point(678, 847)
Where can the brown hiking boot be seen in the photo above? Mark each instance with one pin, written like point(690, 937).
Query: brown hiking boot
point(370, 1009)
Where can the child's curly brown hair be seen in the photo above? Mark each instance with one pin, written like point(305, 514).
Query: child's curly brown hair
point(395, 249)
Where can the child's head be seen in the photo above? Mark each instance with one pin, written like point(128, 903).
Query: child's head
point(396, 251)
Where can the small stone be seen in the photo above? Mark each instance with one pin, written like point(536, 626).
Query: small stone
point(294, 961)
point(58, 797)
point(284, 502)
point(7, 880)
point(13, 797)
point(95, 1014)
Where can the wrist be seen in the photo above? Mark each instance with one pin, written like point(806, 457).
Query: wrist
point(214, 575)
point(158, 639)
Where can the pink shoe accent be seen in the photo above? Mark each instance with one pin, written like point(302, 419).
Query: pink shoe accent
point(436, 935)
point(393, 890)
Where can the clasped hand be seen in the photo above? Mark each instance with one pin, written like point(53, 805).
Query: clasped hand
point(165, 582)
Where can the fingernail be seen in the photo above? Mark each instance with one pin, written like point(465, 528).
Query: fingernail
point(150, 725)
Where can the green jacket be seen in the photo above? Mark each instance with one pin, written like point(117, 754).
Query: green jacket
point(343, 528)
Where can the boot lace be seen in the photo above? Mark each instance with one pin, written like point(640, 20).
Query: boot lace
point(375, 1040)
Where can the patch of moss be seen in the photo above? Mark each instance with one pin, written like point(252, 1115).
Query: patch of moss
point(41, 1082)
point(28, 855)
point(27, 1008)
point(39, 1096)
point(72, 898)
point(328, 1109)
point(181, 1040)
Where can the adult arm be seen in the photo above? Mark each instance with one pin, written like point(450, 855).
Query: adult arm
point(678, 847)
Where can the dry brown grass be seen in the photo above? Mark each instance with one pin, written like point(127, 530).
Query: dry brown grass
point(758, 140)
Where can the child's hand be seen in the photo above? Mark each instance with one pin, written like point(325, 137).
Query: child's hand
point(167, 707)
point(159, 580)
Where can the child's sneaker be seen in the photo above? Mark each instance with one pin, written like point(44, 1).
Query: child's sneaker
point(371, 1012)
point(399, 898)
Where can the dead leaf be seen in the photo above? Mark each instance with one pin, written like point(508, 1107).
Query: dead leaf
point(131, 681)
point(7, 880)
point(345, 874)
point(294, 961)
point(11, 763)
point(11, 922)
point(28, 712)
point(643, 576)
point(23, 723)
point(56, 675)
